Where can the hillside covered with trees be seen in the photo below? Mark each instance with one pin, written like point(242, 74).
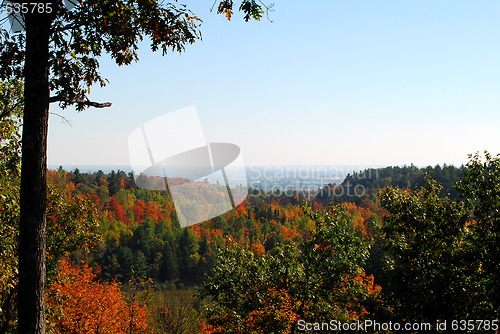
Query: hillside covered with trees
point(277, 259)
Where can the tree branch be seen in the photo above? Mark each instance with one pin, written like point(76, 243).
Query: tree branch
point(269, 8)
point(4, 113)
point(82, 101)
point(64, 119)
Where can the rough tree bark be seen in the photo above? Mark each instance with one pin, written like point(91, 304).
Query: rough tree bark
point(31, 298)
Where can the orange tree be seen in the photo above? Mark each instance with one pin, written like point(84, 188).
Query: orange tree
point(57, 55)
point(78, 303)
point(316, 280)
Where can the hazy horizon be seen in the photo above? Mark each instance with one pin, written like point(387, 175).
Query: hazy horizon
point(358, 83)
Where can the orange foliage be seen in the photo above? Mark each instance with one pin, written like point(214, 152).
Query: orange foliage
point(276, 314)
point(258, 249)
point(197, 230)
point(470, 223)
point(241, 210)
point(289, 233)
point(61, 181)
point(361, 215)
point(359, 222)
point(208, 329)
point(78, 303)
point(350, 207)
point(53, 176)
point(103, 181)
point(216, 233)
point(290, 214)
point(356, 309)
point(275, 206)
point(70, 187)
point(152, 211)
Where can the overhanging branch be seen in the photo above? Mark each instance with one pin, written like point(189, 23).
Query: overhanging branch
point(81, 101)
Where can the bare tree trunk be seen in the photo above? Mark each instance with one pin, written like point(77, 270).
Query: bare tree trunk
point(31, 302)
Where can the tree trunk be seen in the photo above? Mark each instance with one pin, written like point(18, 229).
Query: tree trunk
point(31, 302)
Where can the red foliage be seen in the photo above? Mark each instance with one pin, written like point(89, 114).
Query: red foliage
point(274, 315)
point(96, 201)
point(318, 206)
point(139, 209)
point(117, 210)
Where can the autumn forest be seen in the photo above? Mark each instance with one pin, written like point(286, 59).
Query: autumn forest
point(118, 261)
point(407, 248)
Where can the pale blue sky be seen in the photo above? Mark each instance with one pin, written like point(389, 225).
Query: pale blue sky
point(327, 83)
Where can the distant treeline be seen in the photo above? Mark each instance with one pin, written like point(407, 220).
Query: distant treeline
point(369, 182)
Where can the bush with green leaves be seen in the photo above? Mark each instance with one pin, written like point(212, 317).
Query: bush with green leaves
point(443, 255)
point(319, 279)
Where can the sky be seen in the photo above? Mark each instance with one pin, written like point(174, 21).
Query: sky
point(335, 82)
